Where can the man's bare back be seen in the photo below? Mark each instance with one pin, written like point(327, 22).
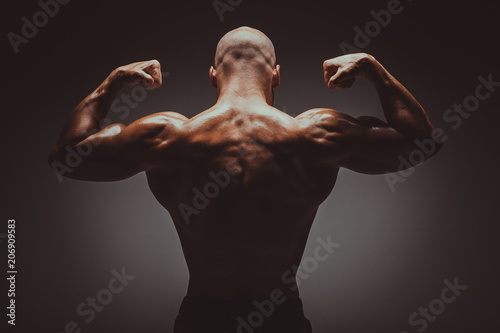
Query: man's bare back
point(242, 180)
point(242, 187)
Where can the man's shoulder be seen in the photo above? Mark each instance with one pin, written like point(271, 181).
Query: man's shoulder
point(162, 120)
point(156, 126)
point(165, 117)
point(318, 113)
point(323, 118)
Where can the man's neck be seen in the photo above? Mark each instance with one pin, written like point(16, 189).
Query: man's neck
point(241, 91)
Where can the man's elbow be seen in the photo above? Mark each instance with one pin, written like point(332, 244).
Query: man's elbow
point(420, 150)
point(58, 163)
point(54, 155)
point(438, 146)
point(431, 143)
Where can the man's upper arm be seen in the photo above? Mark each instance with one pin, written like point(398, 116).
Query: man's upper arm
point(118, 151)
point(363, 144)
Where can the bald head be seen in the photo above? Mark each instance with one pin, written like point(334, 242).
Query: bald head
point(245, 64)
point(244, 47)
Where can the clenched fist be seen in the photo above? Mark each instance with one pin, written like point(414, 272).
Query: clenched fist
point(341, 72)
point(147, 72)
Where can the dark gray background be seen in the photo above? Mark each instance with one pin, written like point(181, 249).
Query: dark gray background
point(396, 248)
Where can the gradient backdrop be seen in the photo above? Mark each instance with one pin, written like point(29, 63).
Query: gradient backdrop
point(397, 247)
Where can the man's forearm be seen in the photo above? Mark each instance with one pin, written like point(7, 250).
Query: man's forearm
point(401, 109)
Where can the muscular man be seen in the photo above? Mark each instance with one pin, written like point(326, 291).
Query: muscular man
point(242, 180)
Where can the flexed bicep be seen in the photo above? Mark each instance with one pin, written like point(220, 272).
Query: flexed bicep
point(363, 144)
point(85, 151)
point(118, 151)
point(373, 146)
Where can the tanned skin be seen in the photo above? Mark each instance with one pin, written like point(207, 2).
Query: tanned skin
point(274, 170)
